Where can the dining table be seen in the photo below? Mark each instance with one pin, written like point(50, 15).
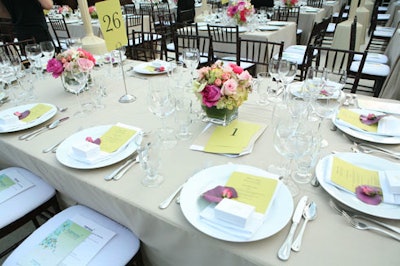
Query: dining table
point(167, 237)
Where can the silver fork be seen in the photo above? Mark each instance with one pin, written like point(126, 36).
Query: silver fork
point(340, 211)
point(362, 226)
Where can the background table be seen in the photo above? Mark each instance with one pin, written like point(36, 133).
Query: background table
point(167, 237)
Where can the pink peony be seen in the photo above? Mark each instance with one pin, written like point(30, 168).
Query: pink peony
point(229, 87)
point(55, 67)
point(211, 95)
point(84, 64)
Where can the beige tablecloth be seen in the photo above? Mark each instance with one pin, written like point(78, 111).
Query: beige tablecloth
point(167, 237)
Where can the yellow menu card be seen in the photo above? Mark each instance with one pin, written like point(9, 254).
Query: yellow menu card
point(253, 190)
point(36, 112)
point(115, 137)
point(353, 119)
point(233, 138)
point(350, 176)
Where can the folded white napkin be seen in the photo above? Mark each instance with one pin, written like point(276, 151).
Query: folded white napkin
point(387, 126)
point(255, 221)
point(388, 196)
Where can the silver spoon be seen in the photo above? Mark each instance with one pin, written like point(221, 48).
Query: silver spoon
point(309, 214)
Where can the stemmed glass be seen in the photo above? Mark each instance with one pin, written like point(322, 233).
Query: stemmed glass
point(34, 53)
point(291, 141)
point(287, 71)
point(162, 104)
point(191, 58)
point(75, 81)
point(273, 70)
point(48, 50)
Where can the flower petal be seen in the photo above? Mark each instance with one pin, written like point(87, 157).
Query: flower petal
point(218, 193)
point(369, 194)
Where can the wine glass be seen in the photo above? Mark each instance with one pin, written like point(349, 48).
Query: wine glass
point(48, 50)
point(287, 71)
point(273, 69)
point(191, 58)
point(75, 81)
point(291, 141)
point(162, 104)
point(34, 53)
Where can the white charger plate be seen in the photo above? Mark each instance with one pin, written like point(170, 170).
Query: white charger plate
point(45, 117)
point(64, 151)
point(192, 204)
point(383, 210)
point(141, 69)
point(268, 28)
point(277, 23)
point(364, 135)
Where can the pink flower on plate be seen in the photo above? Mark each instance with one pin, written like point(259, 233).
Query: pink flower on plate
point(369, 194)
point(229, 87)
point(218, 193)
point(211, 95)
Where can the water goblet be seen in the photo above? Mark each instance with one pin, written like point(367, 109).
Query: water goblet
point(262, 85)
point(191, 58)
point(34, 53)
point(75, 82)
point(183, 117)
point(74, 43)
point(150, 161)
point(287, 71)
point(273, 70)
point(162, 104)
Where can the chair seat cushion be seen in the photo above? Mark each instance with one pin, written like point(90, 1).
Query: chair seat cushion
point(27, 200)
point(171, 46)
point(299, 31)
point(119, 250)
point(382, 8)
point(373, 58)
point(299, 49)
point(374, 69)
point(331, 27)
point(243, 64)
point(383, 16)
point(293, 57)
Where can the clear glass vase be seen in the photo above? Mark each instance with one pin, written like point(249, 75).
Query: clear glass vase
point(220, 116)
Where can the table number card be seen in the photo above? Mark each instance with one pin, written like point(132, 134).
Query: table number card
point(112, 24)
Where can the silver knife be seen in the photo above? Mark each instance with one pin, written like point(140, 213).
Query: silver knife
point(284, 251)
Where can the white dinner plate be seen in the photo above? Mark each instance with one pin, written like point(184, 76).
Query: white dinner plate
point(365, 135)
point(277, 23)
point(143, 70)
point(268, 28)
point(383, 210)
point(295, 89)
point(72, 21)
point(64, 151)
point(192, 203)
point(21, 126)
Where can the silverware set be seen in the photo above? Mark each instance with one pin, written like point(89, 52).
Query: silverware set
point(370, 148)
point(120, 171)
point(52, 125)
point(357, 221)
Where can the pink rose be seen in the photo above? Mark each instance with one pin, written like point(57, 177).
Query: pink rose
point(229, 87)
point(218, 82)
point(235, 68)
point(68, 66)
point(92, 9)
point(245, 75)
point(84, 64)
point(55, 67)
point(211, 94)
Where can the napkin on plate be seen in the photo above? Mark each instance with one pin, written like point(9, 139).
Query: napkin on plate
point(348, 176)
point(236, 139)
point(387, 126)
point(254, 190)
point(113, 141)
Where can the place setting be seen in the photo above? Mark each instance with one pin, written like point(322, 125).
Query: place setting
point(99, 146)
point(25, 116)
point(155, 67)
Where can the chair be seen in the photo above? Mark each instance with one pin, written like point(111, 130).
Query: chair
point(145, 46)
point(165, 26)
point(336, 19)
point(26, 206)
point(285, 13)
point(260, 53)
point(61, 32)
point(226, 44)
point(182, 28)
point(119, 250)
point(202, 43)
point(315, 3)
point(336, 60)
point(298, 53)
point(186, 16)
point(130, 9)
point(17, 49)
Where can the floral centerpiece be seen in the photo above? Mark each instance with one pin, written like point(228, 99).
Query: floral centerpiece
point(290, 3)
point(240, 11)
point(65, 10)
point(69, 62)
point(93, 12)
point(222, 88)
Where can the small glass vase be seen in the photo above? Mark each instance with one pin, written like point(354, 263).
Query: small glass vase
point(220, 116)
